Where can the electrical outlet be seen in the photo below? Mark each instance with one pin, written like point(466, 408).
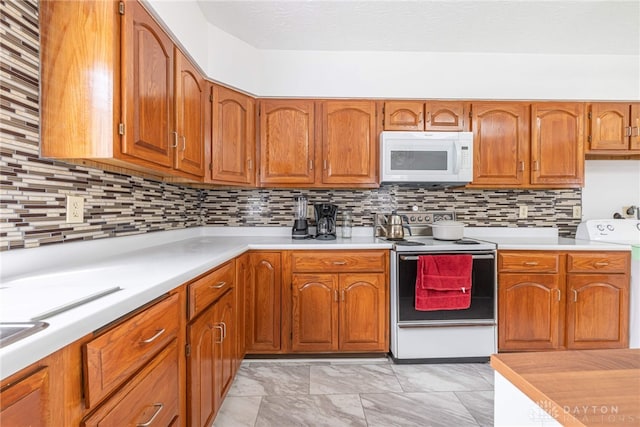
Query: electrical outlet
point(577, 212)
point(523, 212)
point(75, 209)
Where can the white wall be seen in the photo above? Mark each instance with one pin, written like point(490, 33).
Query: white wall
point(609, 185)
point(229, 60)
point(449, 75)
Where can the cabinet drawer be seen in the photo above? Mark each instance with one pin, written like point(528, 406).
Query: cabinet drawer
point(209, 288)
point(113, 356)
point(150, 399)
point(338, 261)
point(539, 262)
point(598, 262)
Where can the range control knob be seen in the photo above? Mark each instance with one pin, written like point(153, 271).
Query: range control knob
point(609, 227)
point(600, 227)
point(412, 218)
point(419, 219)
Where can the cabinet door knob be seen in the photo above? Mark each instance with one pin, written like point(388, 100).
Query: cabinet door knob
point(635, 131)
point(153, 338)
point(249, 164)
point(536, 165)
point(575, 295)
point(311, 164)
point(628, 131)
point(559, 294)
point(335, 295)
point(219, 326)
point(184, 143)
point(158, 407)
point(428, 119)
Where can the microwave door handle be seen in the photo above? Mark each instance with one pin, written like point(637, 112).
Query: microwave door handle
point(457, 157)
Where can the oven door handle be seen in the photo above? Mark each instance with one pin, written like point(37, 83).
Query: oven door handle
point(415, 258)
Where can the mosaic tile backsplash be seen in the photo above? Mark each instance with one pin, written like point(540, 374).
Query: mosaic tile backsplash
point(33, 190)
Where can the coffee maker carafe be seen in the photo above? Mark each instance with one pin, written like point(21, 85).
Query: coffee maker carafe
point(300, 228)
point(325, 221)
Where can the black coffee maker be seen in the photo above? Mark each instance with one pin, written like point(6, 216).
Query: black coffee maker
point(325, 221)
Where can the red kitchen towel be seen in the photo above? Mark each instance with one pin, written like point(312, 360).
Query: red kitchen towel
point(443, 282)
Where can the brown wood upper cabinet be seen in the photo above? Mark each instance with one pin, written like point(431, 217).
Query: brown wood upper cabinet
point(425, 116)
point(318, 143)
point(287, 142)
point(557, 144)
point(232, 137)
point(614, 128)
point(148, 115)
point(514, 149)
point(349, 143)
point(501, 144)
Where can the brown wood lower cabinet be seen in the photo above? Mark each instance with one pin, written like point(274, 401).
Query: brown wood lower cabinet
point(211, 343)
point(26, 402)
point(264, 302)
point(151, 398)
point(342, 311)
point(558, 300)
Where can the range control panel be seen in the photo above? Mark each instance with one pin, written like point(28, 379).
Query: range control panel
point(417, 220)
point(609, 230)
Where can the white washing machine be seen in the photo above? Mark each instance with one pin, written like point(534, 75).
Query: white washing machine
point(625, 232)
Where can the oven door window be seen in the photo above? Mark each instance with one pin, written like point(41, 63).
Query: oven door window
point(483, 290)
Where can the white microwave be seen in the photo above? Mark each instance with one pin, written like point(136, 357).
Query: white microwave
point(438, 159)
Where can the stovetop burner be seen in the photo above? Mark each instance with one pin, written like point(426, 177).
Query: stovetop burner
point(466, 242)
point(408, 243)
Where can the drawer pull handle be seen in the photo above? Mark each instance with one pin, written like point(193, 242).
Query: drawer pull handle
point(153, 338)
point(218, 285)
point(531, 263)
point(339, 262)
point(600, 264)
point(158, 407)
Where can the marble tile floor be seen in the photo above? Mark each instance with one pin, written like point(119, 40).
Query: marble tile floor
point(362, 392)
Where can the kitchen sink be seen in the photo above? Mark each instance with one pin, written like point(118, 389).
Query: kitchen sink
point(12, 332)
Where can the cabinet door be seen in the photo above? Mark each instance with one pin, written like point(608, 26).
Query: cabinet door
point(349, 143)
point(597, 311)
point(635, 127)
point(557, 145)
point(147, 71)
point(314, 312)
point(264, 303)
point(501, 143)
point(242, 281)
point(226, 347)
point(609, 126)
point(190, 95)
point(404, 115)
point(233, 137)
point(287, 142)
point(25, 403)
point(444, 116)
point(203, 334)
point(529, 311)
point(363, 312)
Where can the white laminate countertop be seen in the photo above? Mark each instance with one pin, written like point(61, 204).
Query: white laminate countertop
point(543, 239)
point(146, 266)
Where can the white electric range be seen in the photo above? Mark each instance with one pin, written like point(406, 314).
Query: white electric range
point(624, 232)
point(455, 335)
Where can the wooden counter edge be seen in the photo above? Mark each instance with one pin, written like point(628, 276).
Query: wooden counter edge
point(532, 392)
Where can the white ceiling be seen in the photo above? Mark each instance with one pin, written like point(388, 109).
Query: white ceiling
point(514, 26)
